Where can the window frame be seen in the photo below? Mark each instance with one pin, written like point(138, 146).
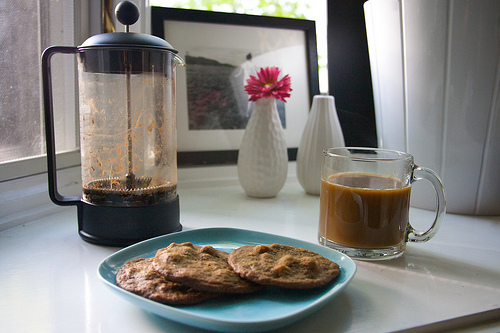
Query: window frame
point(24, 182)
point(30, 166)
point(88, 18)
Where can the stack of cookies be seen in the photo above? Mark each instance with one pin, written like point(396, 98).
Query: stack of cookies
point(184, 274)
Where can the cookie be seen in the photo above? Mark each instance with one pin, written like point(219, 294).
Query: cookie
point(139, 277)
point(283, 266)
point(204, 268)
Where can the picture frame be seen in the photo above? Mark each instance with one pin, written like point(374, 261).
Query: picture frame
point(220, 51)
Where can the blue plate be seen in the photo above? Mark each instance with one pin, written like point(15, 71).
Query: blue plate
point(265, 310)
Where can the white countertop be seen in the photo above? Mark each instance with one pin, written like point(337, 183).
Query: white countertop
point(49, 283)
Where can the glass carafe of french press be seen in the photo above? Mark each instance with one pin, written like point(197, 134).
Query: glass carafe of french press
point(126, 84)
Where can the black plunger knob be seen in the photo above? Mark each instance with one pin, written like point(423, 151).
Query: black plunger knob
point(127, 12)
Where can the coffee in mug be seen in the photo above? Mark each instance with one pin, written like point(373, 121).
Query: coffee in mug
point(365, 202)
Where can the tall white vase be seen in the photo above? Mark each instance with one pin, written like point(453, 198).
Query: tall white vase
point(263, 156)
point(322, 131)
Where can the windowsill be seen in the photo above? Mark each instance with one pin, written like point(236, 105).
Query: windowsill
point(25, 199)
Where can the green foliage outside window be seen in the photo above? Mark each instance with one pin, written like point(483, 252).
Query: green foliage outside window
point(279, 8)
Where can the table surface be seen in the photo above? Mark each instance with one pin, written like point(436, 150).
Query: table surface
point(49, 279)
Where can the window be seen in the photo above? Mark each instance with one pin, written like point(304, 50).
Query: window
point(27, 28)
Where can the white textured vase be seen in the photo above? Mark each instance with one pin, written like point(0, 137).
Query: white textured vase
point(263, 156)
point(322, 131)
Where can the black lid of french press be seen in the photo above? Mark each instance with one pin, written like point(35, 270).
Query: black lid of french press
point(125, 52)
point(127, 13)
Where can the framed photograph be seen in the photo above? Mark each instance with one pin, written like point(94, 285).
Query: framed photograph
point(221, 51)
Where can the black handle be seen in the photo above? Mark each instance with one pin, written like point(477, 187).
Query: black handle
point(49, 125)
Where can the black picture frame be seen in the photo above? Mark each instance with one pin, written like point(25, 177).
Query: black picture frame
point(162, 17)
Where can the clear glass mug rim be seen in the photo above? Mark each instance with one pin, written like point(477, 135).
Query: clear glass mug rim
point(389, 154)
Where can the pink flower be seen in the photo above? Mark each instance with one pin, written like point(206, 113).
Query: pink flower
point(267, 85)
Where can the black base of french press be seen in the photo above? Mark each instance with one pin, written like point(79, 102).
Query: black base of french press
point(123, 226)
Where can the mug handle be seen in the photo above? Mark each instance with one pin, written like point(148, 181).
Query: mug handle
point(414, 235)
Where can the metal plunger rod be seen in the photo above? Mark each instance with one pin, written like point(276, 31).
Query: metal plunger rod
point(127, 13)
point(130, 176)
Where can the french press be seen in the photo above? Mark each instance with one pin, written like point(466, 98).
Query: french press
point(126, 84)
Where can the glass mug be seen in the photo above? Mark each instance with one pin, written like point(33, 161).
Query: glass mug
point(365, 201)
